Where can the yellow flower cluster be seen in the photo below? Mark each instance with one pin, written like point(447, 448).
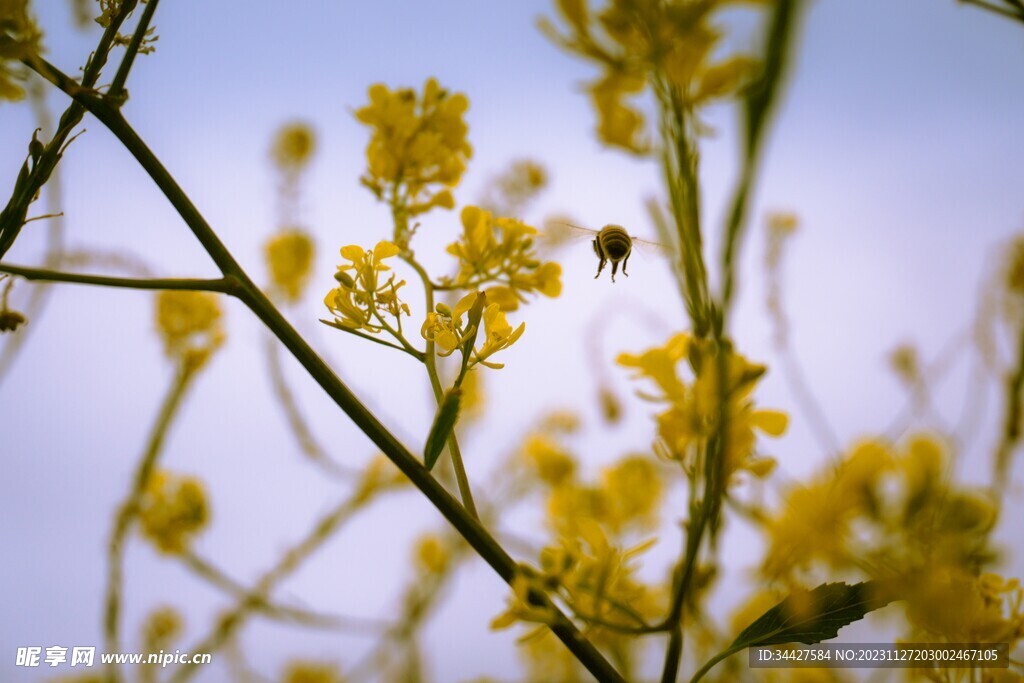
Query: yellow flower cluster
point(289, 255)
point(190, 325)
point(293, 147)
point(432, 554)
point(311, 672)
point(892, 514)
point(593, 577)
point(19, 39)
point(501, 252)
point(668, 45)
point(162, 627)
point(509, 193)
point(445, 328)
point(361, 298)
point(692, 416)
point(418, 143)
point(172, 510)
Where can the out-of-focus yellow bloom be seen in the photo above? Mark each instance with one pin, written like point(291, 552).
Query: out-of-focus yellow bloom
point(633, 488)
point(501, 252)
point(552, 464)
point(289, 256)
point(380, 475)
point(162, 627)
point(432, 554)
point(190, 324)
point(509, 193)
point(892, 514)
point(172, 510)
point(669, 45)
point(311, 672)
point(593, 577)
point(293, 147)
point(418, 144)
point(361, 298)
point(19, 39)
point(693, 414)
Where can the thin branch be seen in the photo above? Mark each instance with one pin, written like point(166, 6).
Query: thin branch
point(216, 577)
point(116, 90)
point(376, 340)
point(223, 285)
point(995, 9)
point(129, 510)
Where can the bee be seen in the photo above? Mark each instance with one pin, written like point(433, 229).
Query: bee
point(613, 244)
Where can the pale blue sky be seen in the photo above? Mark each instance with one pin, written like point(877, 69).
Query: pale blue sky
point(899, 143)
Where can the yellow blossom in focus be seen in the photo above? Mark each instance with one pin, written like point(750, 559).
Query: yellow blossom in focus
point(189, 323)
point(19, 39)
point(293, 146)
point(361, 298)
point(172, 510)
point(418, 146)
point(289, 256)
point(501, 252)
point(311, 672)
point(445, 328)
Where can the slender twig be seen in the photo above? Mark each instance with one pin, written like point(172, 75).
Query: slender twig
point(296, 421)
point(53, 199)
point(116, 90)
point(229, 623)
point(430, 360)
point(478, 538)
point(216, 577)
point(1017, 15)
point(129, 510)
point(368, 337)
point(223, 285)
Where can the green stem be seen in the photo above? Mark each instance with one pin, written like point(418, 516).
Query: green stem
point(708, 665)
point(116, 90)
point(129, 510)
point(468, 527)
point(223, 285)
point(376, 340)
point(430, 361)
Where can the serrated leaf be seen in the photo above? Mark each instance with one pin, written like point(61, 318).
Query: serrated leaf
point(444, 423)
point(810, 617)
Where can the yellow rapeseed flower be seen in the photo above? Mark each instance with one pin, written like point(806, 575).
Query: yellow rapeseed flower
point(190, 324)
point(311, 672)
point(361, 298)
point(418, 147)
point(293, 146)
point(173, 509)
point(19, 39)
point(289, 255)
point(501, 252)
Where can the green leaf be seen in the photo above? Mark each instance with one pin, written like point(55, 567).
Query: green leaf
point(812, 616)
point(444, 423)
point(806, 617)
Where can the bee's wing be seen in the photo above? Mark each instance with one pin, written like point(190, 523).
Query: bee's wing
point(649, 248)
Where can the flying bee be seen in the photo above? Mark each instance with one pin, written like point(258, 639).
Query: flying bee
point(613, 244)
